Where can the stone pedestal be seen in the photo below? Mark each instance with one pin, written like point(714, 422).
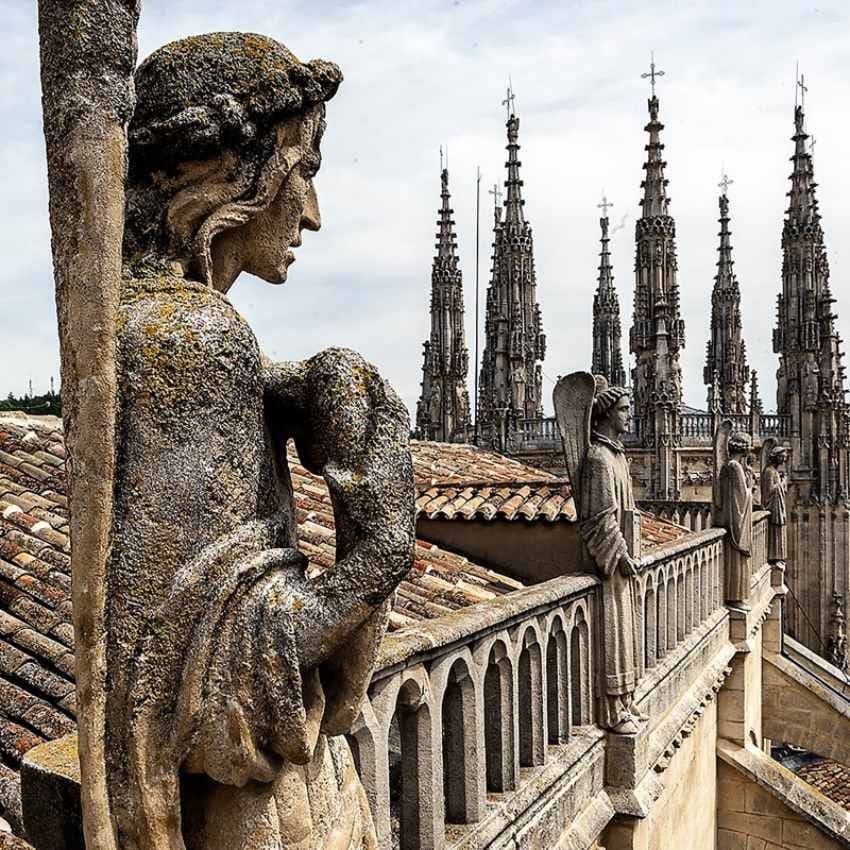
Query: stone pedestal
point(50, 795)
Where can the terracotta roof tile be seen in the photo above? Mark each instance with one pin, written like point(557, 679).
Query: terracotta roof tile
point(831, 778)
point(548, 499)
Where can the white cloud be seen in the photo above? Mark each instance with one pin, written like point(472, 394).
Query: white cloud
point(420, 75)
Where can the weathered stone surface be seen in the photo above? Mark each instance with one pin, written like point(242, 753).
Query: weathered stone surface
point(592, 417)
point(88, 51)
point(733, 506)
point(50, 785)
point(229, 670)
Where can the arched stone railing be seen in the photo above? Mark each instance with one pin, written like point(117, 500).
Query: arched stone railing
point(459, 706)
point(469, 715)
point(695, 516)
point(679, 588)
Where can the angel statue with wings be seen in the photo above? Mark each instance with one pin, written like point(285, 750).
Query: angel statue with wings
point(732, 499)
point(773, 492)
point(592, 418)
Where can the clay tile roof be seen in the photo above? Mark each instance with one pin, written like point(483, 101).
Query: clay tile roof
point(456, 480)
point(550, 500)
point(831, 778)
point(459, 463)
point(36, 635)
point(655, 531)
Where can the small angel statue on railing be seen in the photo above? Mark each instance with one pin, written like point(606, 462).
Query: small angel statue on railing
point(732, 499)
point(592, 418)
point(773, 494)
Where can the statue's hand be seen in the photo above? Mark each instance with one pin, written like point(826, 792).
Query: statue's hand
point(628, 567)
point(350, 427)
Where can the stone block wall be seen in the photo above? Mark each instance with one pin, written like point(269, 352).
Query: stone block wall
point(750, 818)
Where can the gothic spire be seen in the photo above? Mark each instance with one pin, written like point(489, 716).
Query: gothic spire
point(513, 202)
point(810, 388)
point(607, 350)
point(446, 238)
point(511, 378)
point(726, 357)
point(655, 201)
point(443, 409)
point(657, 332)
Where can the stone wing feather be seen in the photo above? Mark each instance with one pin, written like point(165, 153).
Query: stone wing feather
point(721, 456)
point(573, 400)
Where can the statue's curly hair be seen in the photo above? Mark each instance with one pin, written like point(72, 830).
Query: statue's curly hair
point(213, 99)
point(199, 94)
point(606, 396)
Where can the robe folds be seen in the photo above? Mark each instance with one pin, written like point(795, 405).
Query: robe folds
point(773, 500)
point(606, 502)
point(737, 519)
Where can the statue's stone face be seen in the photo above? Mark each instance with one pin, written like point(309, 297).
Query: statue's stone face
point(263, 245)
point(618, 415)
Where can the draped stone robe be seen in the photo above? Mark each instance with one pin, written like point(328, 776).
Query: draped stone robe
point(209, 709)
point(773, 500)
point(605, 502)
point(737, 518)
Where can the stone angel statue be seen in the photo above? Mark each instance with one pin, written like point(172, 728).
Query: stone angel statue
point(732, 500)
point(773, 494)
point(592, 418)
point(215, 716)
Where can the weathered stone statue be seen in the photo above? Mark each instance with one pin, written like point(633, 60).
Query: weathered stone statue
point(733, 508)
point(592, 417)
point(228, 670)
point(773, 493)
point(836, 649)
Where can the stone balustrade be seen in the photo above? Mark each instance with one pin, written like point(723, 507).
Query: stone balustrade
point(695, 429)
point(480, 728)
point(679, 588)
point(463, 709)
point(466, 715)
point(695, 516)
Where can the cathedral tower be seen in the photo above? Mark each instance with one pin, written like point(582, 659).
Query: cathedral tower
point(658, 332)
point(810, 394)
point(607, 350)
point(511, 384)
point(443, 408)
point(726, 356)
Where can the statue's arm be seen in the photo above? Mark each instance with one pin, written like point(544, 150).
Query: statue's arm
point(350, 427)
point(600, 527)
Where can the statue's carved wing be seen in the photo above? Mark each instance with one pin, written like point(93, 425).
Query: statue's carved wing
point(766, 448)
point(721, 456)
point(573, 399)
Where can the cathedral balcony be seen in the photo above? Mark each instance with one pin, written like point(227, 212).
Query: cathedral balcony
point(481, 726)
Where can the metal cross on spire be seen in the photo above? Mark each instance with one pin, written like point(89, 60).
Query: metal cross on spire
point(496, 192)
point(652, 73)
point(604, 206)
point(725, 183)
point(508, 102)
point(812, 143)
point(441, 159)
point(803, 89)
point(800, 87)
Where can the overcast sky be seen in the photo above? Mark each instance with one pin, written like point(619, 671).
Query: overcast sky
point(418, 75)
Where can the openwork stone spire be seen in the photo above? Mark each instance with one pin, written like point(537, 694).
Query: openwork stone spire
point(811, 383)
point(511, 383)
point(657, 331)
point(443, 408)
point(726, 352)
point(607, 350)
